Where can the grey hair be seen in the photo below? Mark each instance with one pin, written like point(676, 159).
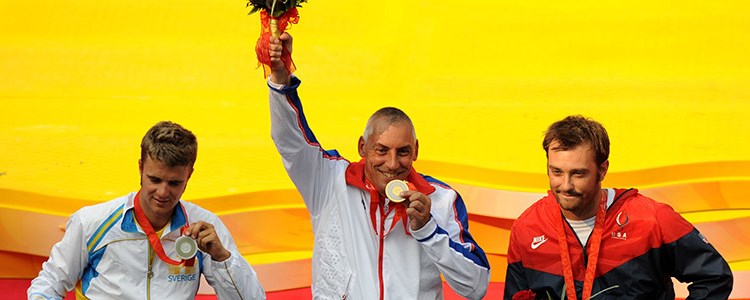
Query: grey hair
point(391, 115)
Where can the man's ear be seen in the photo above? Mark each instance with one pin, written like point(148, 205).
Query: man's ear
point(361, 146)
point(140, 172)
point(603, 170)
point(416, 150)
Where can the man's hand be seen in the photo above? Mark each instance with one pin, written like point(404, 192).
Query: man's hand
point(208, 241)
point(279, 74)
point(418, 208)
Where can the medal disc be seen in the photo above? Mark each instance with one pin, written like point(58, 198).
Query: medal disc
point(186, 247)
point(394, 188)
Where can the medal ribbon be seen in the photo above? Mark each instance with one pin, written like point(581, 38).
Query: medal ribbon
point(151, 234)
point(593, 257)
point(375, 202)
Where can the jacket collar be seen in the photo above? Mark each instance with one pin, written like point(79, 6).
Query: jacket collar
point(128, 221)
point(620, 195)
point(355, 176)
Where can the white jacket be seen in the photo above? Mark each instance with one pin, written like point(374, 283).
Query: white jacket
point(109, 253)
point(352, 259)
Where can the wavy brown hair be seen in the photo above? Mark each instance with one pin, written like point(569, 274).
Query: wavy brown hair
point(171, 144)
point(576, 130)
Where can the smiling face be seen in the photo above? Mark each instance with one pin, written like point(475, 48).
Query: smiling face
point(389, 152)
point(575, 179)
point(161, 189)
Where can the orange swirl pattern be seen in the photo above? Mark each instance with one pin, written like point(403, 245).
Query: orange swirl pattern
point(277, 238)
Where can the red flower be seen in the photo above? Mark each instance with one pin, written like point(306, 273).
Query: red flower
point(524, 295)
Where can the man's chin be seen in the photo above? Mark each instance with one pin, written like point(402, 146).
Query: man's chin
point(166, 205)
point(566, 201)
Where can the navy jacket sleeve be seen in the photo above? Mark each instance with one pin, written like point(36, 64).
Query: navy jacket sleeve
point(694, 259)
point(515, 280)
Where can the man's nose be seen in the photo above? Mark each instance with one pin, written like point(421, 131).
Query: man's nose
point(391, 161)
point(162, 191)
point(567, 183)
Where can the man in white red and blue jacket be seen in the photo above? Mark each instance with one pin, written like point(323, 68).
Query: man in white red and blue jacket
point(366, 246)
point(585, 242)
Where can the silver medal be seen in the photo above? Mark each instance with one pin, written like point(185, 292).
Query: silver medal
point(186, 247)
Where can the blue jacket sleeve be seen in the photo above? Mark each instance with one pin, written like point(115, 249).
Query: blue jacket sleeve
point(697, 261)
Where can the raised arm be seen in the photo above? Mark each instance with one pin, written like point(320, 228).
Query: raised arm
point(279, 73)
point(311, 168)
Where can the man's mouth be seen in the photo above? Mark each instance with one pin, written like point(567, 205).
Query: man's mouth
point(568, 195)
point(390, 175)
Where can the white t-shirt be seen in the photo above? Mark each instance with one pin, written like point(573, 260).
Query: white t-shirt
point(583, 228)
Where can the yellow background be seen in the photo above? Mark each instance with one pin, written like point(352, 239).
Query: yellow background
point(81, 81)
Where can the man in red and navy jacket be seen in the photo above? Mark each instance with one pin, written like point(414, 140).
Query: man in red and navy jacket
point(583, 242)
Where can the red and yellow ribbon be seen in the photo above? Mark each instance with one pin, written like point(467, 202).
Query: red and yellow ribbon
point(593, 257)
point(262, 47)
point(151, 234)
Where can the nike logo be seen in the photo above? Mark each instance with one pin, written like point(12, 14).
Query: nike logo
point(538, 241)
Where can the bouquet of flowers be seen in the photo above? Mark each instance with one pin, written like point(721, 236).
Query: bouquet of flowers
point(524, 295)
point(530, 295)
point(276, 16)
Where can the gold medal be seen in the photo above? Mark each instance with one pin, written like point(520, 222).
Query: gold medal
point(394, 188)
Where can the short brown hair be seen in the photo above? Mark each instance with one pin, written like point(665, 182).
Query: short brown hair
point(576, 130)
point(171, 144)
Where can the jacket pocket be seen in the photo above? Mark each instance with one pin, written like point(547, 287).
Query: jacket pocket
point(349, 281)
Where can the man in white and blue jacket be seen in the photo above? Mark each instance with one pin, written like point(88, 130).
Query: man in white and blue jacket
point(366, 246)
point(125, 248)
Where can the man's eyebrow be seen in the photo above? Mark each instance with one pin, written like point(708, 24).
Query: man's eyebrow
point(379, 145)
point(580, 170)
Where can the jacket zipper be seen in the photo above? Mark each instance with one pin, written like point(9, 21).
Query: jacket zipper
point(380, 254)
point(150, 273)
